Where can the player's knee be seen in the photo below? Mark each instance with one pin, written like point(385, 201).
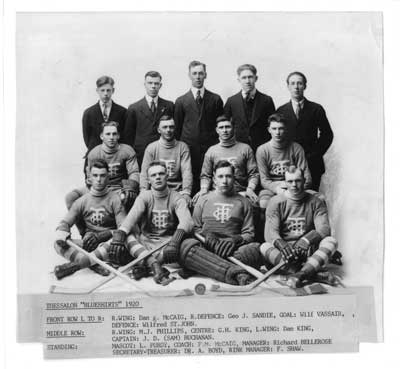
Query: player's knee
point(250, 254)
point(60, 250)
point(71, 197)
point(265, 197)
point(318, 195)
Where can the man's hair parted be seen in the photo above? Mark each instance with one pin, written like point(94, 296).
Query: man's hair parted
point(153, 74)
point(196, 63)
point(109, 124)
point(156, 163)
point(293, 169)
point(100, 164)
point(224, 164)
point(276, 117)
point(296, 73)
point(104, 80)
point(249, 67)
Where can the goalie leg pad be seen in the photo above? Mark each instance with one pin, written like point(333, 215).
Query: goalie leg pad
point(196, 258)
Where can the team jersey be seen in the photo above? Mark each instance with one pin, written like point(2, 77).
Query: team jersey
point(121, 161)
point(224, 216)
point(273, 160)
point(290, 219)
point(241, 156)
point(99, 212)
point(158, 214)
point(176, 156)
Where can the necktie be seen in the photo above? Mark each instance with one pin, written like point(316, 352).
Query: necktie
point(298, 110)
point(153, 106)
point(105, 114)
point(247, 97)
point(198, 98)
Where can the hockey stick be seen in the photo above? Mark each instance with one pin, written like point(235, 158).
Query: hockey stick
point(249, 287)
point(124, 277)
point(253, 271)
point(80, 291)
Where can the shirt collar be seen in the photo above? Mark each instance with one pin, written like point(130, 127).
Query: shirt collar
point(194, 91)
point(107, 104)
point(295, 103)
point(252, 93)
point(149, 99)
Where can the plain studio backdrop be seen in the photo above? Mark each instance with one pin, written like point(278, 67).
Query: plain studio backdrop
point(60, 56)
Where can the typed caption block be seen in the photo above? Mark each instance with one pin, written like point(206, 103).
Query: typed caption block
point(75, 327)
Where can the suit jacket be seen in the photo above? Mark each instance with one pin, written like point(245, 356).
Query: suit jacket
point(93, 118)
point(196, 126)
point(312, 131)
point(255, 132)
point(141, 125)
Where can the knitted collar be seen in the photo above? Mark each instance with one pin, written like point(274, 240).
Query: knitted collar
point(160, 194)
point(230, 194)
point(228, 143)
point(167, 144)
point(108, 150)
point(296, 198)
point(279, 145)
point(98, 193)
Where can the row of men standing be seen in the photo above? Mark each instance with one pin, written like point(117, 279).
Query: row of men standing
point(195, 114)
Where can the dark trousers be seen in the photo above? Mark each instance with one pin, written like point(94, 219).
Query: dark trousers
point(197, 156)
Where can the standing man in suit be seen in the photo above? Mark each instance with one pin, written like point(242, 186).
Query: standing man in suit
point(105, 110)
point(308, 124)
point(249, 109)
point(143, 116)
point(195, 117)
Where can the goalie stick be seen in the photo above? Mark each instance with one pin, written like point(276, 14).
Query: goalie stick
point(250, 287)
point(185, 292)
point(80, 291)
point(241, 289)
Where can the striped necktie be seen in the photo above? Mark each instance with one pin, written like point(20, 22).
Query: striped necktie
point(198, 98)
point(105, 113)
point(153, 106)
point(298, 110)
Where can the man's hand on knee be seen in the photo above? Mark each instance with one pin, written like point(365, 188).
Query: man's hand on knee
point(61, 238)
point(286, 249)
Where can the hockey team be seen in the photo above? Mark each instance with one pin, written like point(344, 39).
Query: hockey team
point(213, 183)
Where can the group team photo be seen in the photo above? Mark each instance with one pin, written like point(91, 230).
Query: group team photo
point(199, 155)
point(248, 173)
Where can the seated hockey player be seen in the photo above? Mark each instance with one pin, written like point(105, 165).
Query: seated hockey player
point(158, 215)
point(176, 156)
point(101, 212)
point(123, 168)
point(239, 154)
point(275, 156)
point(225, 219)
point(296, 229)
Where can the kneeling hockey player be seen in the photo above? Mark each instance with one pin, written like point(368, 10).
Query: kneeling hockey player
point(102, 212)
point(122, 164)
point(225, 219)
point(296, 229)
point(158, 215)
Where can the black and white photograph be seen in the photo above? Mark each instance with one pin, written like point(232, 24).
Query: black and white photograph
point(194, 162)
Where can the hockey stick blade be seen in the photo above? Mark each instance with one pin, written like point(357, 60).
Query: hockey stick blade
point(124, 276)
point(249, 287)
point(79, 291)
